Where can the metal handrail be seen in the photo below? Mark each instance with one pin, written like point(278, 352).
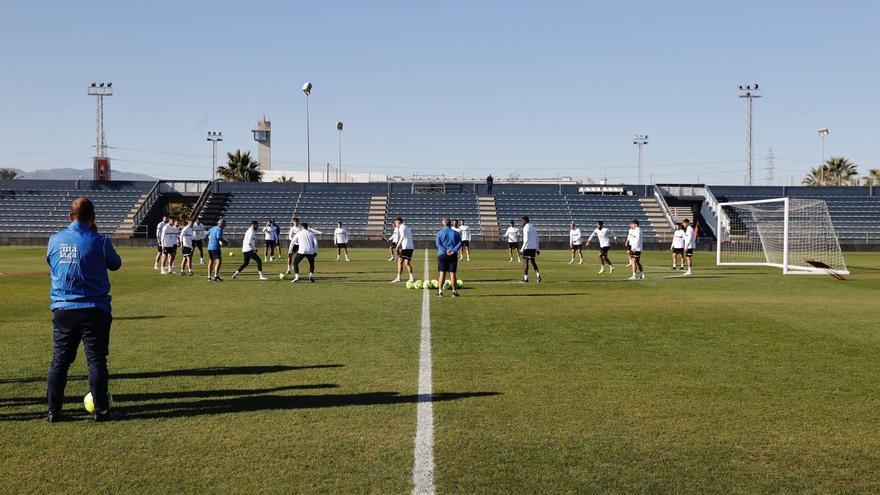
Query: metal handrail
point(663, 206)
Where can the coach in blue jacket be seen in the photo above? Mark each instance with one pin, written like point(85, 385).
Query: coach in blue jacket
point(448, 243)
point(79, 258)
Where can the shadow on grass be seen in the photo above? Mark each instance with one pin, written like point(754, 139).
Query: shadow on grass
point(535, 294)
point(128, 318)
point(258, 403)
point(208, 371)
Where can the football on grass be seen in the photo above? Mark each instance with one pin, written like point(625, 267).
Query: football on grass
point(89, 402)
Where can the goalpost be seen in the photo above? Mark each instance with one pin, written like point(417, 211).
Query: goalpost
point(793, 234)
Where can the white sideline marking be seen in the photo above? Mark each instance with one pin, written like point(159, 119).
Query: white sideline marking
point(423, 466)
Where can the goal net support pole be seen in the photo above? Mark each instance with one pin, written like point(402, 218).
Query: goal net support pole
point(793, 234)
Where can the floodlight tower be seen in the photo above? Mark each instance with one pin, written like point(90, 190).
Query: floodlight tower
point(307, 90)
point(822, 133)
point(641, 140)
point(339, 126)
point(215, 137)
point(101, 163)
point(750, 92)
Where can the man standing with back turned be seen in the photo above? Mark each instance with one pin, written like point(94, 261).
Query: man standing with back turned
point(78, 259)
point(448, 245)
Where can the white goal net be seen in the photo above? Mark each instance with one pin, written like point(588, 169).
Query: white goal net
point(789, 233)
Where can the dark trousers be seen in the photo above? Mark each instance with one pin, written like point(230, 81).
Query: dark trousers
point(299, 257)
point(248, 256)
point(92, 327)
point(198, 244)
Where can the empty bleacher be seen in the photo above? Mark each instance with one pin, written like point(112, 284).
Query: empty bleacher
point(39, 208)
point(423, 212)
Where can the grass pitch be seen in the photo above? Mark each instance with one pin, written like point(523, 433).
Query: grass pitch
point(730, 381)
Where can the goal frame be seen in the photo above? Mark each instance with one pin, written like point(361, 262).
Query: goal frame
point(786, 267)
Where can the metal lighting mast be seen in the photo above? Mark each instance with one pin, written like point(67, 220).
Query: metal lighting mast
point(339, 168)
point(640, 141)
point(214, 137)
point(750, 93)
point(101, 162)
point(822, 133)
point(307, 90)
point(770, 166)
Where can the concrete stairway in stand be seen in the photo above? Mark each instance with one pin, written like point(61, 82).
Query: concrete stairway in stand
point(376, 216)
point(488, 218)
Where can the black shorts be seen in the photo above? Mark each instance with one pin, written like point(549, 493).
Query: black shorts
point(447, 263)
point(529, 253)
point(341, 245)
point(465, 243)
point(158, 248)
point(406, 254)
point(512, 245)
point(577, 247)
point(215, 254)
point(677, 250)
point(392, 244)
point(170, 250)
point(604, 250)
point(187, 251)
point(636, 254)
point(197, 243)
point(689, 252)
point(270, 243)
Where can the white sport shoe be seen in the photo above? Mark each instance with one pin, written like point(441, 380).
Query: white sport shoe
point(538, 276)
point(643, 275)
point(602, 270)
point(633, 277)
point(581, 262)
point(510, 260)
point(311, 278)
point(346, 259)
point(234, 275)
point(390, 259)
point(155, 267)
point(337, 258)
point(396, 280)
point(571, 261)
point(688, 272)
point(201, 261)
point(610, 268)
point(262, 277)
point(295, 279)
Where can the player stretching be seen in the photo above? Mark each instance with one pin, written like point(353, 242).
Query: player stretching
point(604, 235)
point(405, 248)
point(530, 249)
point(448, 244)
point(575, 243)
point(169, 246)
point(465, 230)
point(307, 247)
point(249, 251)
point(270, 238)
point(215, 254)
point(678, 246)
point(198, 237)
point(634, 241)
point(512, 236)
point(186, 240)
point(690, 242)
point(340, 238)
point(159, 249)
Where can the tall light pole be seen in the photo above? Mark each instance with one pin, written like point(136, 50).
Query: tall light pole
point(101, 163)
point(822, 133)
point(641, 140)
point(750, 92)
point(214, 137)
point(307, 90)
point(339, 167)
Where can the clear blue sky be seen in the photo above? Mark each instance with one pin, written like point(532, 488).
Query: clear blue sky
point(536, 88)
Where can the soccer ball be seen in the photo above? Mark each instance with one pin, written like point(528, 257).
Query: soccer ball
point(282, 276)
point(459, 284)
point(410, 285)
point(89, 403)
point(447, 284)
point(417, 284)
point(435, 284)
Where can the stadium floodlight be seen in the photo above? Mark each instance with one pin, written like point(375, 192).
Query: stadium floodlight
point(750, 92)
point(307, 90)
point(822, 133)
point(793, 234)
point(641, 140)
point(214, 137)
point(339, 126)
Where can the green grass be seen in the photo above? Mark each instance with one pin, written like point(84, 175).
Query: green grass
point(730, 381)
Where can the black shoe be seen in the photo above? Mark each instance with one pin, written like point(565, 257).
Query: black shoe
point(54, 416)
point(456, 294)
point(439, 294)
point(218, 279)
point(109, 416)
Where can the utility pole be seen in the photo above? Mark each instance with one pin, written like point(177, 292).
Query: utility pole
point(339, 126)
point(749, 92)
point(641, 140)
point(214, 137)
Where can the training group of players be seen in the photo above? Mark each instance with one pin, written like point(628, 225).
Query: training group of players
point(303, 245)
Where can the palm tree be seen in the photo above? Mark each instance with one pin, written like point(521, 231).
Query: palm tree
point(873, 177)
point(240, 167)
point(285, 179)
point(7, 174)
point(836, 171)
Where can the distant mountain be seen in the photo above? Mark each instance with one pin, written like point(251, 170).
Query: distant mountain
point(72, 174)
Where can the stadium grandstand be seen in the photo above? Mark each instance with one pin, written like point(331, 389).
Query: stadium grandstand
point(34, 209)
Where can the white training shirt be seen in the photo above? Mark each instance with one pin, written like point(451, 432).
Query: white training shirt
point(159, 229)
point(198, 231)
point(634, 239)
point(530, 237)
point(465, 232)
point(169, 235)
point(395, 236)
point(250, 240)
point(604, 235)
point(186, 236)
point(340, 236)
point(574, 237)
point(406, 237)
point(512, 234)
point(269, 233)
point(306, 241)
point(690, 240)
point(678, 240)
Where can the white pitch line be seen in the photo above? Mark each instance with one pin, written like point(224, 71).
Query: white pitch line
point(423, 466)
